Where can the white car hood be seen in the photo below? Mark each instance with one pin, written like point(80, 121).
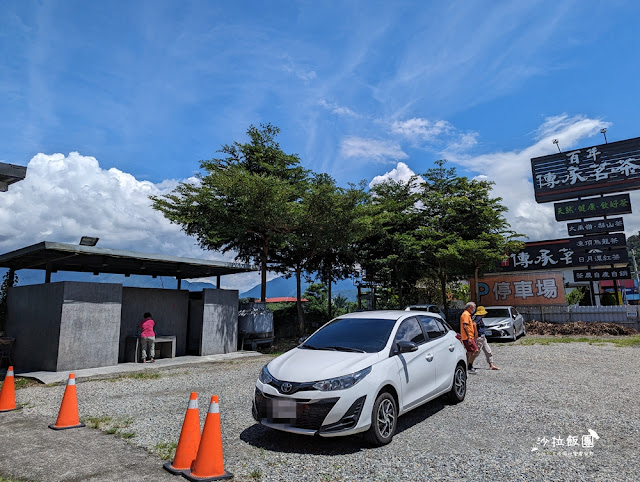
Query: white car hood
point(302, 365)
point(496, 321)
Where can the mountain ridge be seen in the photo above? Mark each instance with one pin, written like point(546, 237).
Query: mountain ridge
point(277, 287)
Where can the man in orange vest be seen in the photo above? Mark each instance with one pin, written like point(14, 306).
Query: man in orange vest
point(469, 333)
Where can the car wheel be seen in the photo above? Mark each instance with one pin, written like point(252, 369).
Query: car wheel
point(515, 335)
point(459, 387)
point(384, 418)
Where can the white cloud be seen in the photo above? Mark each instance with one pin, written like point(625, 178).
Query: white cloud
point(421, 129)
point(401, 172)
point(65, 197)
point(371, 149)
point(290, 66)
point(511, 172)
point(337, 109)
point(306, 74)
point(463, 142)
point(423, 132)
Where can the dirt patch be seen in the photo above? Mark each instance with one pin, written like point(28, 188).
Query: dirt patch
point(578, 328)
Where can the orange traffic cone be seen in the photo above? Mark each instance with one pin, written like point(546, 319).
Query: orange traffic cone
point(8, 393)
point(209, 463)
point(68, 415)
point(189, 439)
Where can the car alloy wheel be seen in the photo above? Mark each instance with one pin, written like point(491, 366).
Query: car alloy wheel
point(459, 388)
point(383, 420)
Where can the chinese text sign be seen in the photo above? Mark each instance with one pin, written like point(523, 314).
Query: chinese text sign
point(588, 171)
point(521, 289)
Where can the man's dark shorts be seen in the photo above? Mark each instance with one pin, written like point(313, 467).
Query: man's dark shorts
point(470, 345)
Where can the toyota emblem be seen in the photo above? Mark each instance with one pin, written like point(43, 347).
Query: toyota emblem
point(286, 387)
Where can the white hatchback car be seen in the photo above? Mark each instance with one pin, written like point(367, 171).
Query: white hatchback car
point(358, 373)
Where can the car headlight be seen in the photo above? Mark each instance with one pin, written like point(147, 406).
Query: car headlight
point(340, 383)
point(503, 325)
point(265, 377)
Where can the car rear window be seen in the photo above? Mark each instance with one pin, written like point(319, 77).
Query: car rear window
point(366, 334)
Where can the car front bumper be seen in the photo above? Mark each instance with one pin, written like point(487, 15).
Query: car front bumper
point(325, 414)
point(499, 333)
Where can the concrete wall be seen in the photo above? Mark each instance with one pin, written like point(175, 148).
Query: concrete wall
point(89, 325)
point(72, 325)
point(196, 311)
point(33, 319)
point(64, 326)
point(169, 308)
point(219, 322)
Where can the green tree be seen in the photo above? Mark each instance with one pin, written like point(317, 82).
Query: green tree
point(575, 296)
point(633, 247)
point(464, 230)
point(389, 251)
point(319, 243)
point(343, 227)
point(243, 202)
point(316, 308)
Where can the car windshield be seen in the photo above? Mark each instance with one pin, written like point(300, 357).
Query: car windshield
point(497, 313)
point(368, 335)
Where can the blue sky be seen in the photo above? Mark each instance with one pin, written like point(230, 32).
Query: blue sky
point(108, 102)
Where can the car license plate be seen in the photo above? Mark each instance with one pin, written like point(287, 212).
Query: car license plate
point(283, 408)
point(487, 332)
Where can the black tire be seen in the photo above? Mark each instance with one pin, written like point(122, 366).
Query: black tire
point(459, 387)
point(384, 420)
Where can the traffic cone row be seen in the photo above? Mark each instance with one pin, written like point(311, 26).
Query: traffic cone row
point(199, 458)
point(68, 415)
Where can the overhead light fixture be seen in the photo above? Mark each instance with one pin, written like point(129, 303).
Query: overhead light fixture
point(88, 241)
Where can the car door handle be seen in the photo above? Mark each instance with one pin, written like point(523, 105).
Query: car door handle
point(451, 347)
point(429, 357)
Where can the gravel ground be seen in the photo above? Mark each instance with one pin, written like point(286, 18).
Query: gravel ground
point(542, 392)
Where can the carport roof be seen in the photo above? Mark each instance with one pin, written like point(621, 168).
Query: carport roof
point(54, 257)
point(10, 173)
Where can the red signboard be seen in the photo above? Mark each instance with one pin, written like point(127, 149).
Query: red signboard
point(541, 288)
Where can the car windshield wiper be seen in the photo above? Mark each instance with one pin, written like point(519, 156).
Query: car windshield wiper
point(309, 347)
point(343, 348)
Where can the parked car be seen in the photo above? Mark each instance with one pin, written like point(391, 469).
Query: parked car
point(434, 310)
point(504, 322)
point(428, 308)
point(358, 373)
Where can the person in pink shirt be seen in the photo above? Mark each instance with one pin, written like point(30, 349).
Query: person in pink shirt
point(147, 338)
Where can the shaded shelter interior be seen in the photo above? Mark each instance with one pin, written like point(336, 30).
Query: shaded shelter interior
point(71, 325)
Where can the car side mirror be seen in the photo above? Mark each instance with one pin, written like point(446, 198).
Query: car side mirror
point(406, 346)
point(302, 339)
